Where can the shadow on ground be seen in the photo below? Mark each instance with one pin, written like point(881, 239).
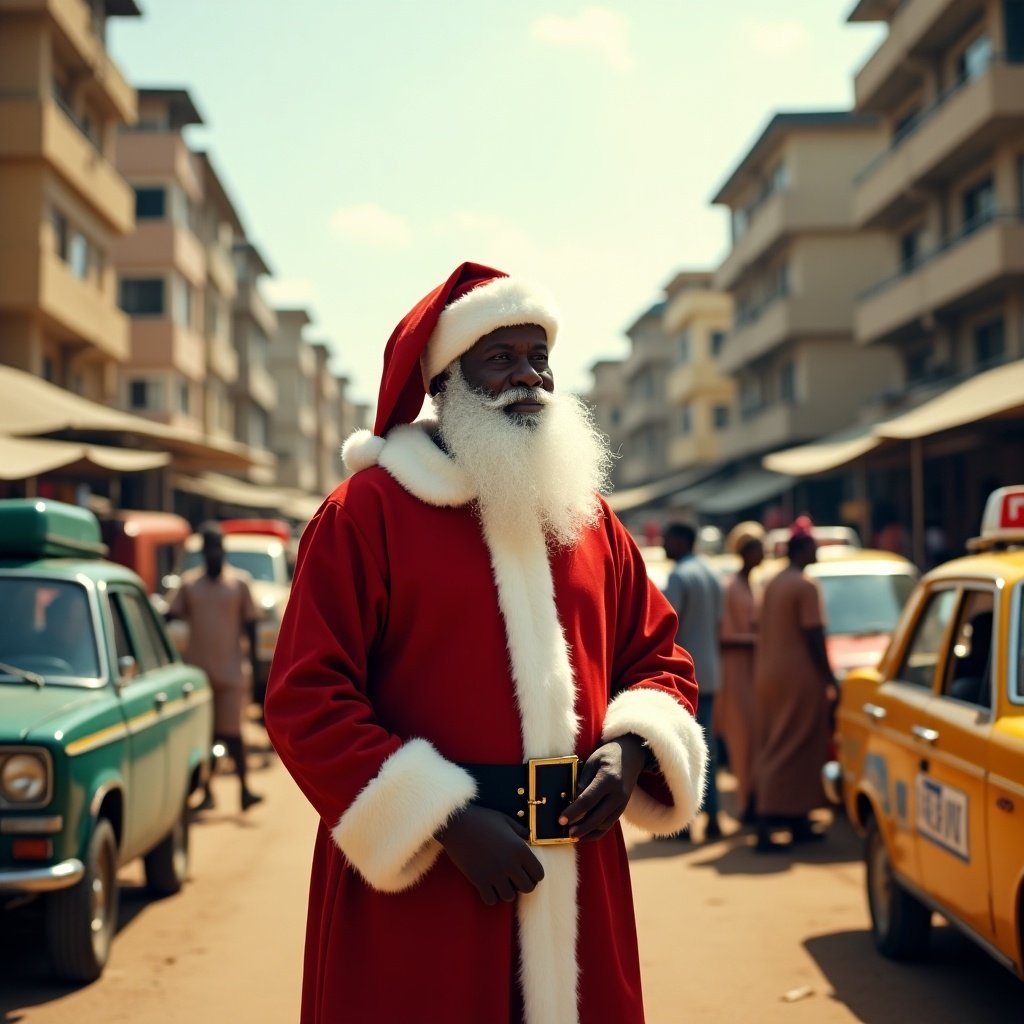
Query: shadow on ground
point(955, 982)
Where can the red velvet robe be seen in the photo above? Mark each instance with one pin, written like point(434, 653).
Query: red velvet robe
point(414, 638)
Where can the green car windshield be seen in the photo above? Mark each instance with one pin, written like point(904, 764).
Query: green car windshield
point(46, 627)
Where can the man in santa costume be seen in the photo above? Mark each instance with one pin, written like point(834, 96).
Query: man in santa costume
point(470, 626)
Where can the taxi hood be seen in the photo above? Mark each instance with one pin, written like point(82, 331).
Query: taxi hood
point(28, 707)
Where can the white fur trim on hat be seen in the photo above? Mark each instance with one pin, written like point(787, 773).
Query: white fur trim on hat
point(361, 450)
point(678, 743)
point(503, 302)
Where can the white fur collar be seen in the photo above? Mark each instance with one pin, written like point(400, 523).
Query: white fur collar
point(410, 455)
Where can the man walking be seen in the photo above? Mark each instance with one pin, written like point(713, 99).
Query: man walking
point(468, 621)
point(694, 590)
point(215, 600)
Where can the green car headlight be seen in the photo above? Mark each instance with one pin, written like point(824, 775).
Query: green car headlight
point(23, 778)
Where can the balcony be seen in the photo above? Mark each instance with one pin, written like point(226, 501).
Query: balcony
point(256, 384)
point(775, 426)
point(248, 301)
point(157, 245)
point(695, 449)
point(638, 414)
point(919, 26)
point(79, 309)
point(696, 378)
point(779, 320)
point(958, 130)
point(780, 216)
point(159, 155)
point(222, 360)
point(979, 257)
point(31, 129)
point(160, 344)
point(222, 271)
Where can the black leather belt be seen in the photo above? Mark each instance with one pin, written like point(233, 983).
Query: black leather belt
point(534, 793)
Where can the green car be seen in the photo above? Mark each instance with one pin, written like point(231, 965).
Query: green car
point(104, 732)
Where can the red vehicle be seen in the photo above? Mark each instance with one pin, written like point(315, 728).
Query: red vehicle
point(150, 543)
point(270, 527)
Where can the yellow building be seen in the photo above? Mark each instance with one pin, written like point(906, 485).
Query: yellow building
point(63, 203)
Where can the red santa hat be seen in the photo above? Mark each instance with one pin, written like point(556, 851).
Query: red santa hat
point(443, 325)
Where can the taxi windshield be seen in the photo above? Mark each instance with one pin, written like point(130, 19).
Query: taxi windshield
point(258, 564)
point(46, 627)
point(864, 604)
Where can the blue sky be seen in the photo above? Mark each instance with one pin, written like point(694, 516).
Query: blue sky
point(373, 146)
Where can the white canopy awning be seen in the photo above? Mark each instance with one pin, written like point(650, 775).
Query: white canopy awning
point(22, 458)
point(992, 393)
point(230, 491)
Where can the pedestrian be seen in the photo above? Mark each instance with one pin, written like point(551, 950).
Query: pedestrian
point(735, 707)
point(216, 602)
point(694, 590)
point(793, 688)
point(462, 603)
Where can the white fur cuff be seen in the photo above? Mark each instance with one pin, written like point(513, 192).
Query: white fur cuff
point(387, 833)
point(678, 744)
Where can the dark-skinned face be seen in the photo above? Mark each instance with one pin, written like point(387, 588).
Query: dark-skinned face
point(510, 357)
point(213, 554)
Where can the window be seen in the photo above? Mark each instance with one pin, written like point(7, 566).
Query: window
point(150, 203)
point(918, 365)
point(685, 420)
point(975, 59)
point(720, 416)
point(78, 255)
point(787, 383)
point(1013, 30)
point(717, 341)
point(778, 179)
point(61, 233)
point(182, 302)
point(145, 394)
point(740, 222)
point(261, 427)
point(968, 675)
point(684, 348)
point(49, 369)
point(146, 648)
point(979, 204)
point(910, 250)
point(184, 397)
point(989, 343)
point(142, 296)
point(925, 650)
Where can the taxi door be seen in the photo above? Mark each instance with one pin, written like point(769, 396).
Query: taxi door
point(897, 710)
point(950, 815)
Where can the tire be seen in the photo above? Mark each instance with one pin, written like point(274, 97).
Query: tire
point(167, 864)
point(900, 923)
point(81, 921)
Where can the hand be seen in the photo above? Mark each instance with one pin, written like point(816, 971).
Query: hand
point(492, 851)
point(606, 783)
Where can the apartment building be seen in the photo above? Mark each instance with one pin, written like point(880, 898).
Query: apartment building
point(645, 424)
point(797, 263)
point(946, 191)
point(701, 397)
point(163, 264)
point(947, 194)
point(63, 203)
point(293, 364)
point(327, 436)
point(607, 398)
point(254, 323)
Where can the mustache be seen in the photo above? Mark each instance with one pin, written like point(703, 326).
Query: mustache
point(513, 396)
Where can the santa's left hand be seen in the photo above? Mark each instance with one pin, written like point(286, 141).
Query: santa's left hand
point(606, 783)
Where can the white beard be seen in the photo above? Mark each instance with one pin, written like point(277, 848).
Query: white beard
point(548, 467)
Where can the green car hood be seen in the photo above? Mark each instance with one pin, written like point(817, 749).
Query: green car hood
point(27, 708)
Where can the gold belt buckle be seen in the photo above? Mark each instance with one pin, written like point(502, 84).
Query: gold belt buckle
point(533, 764)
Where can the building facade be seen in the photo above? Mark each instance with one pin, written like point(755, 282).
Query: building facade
point(293, 364)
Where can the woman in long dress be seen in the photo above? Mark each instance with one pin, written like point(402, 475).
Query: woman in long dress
point(737, 636)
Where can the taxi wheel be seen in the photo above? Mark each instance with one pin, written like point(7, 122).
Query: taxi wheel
point(900, 924)
point(81, 920)
point(167, 864)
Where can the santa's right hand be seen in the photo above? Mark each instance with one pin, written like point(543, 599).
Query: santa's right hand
point(492, 851)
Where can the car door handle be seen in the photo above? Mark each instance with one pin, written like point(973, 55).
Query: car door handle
point(188, 689)
point(160, 700)
point(874, 711)
point(922, 732)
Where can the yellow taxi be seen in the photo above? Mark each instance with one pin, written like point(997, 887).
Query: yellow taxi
point(931, 752)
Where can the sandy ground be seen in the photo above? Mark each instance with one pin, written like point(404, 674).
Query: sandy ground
point(725, 934)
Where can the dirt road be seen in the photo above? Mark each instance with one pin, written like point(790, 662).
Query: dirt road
point(725, 936)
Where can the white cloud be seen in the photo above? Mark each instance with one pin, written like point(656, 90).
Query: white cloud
point(596, 29)
point(774, 38)
point(372, 225)
point(288, 292)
